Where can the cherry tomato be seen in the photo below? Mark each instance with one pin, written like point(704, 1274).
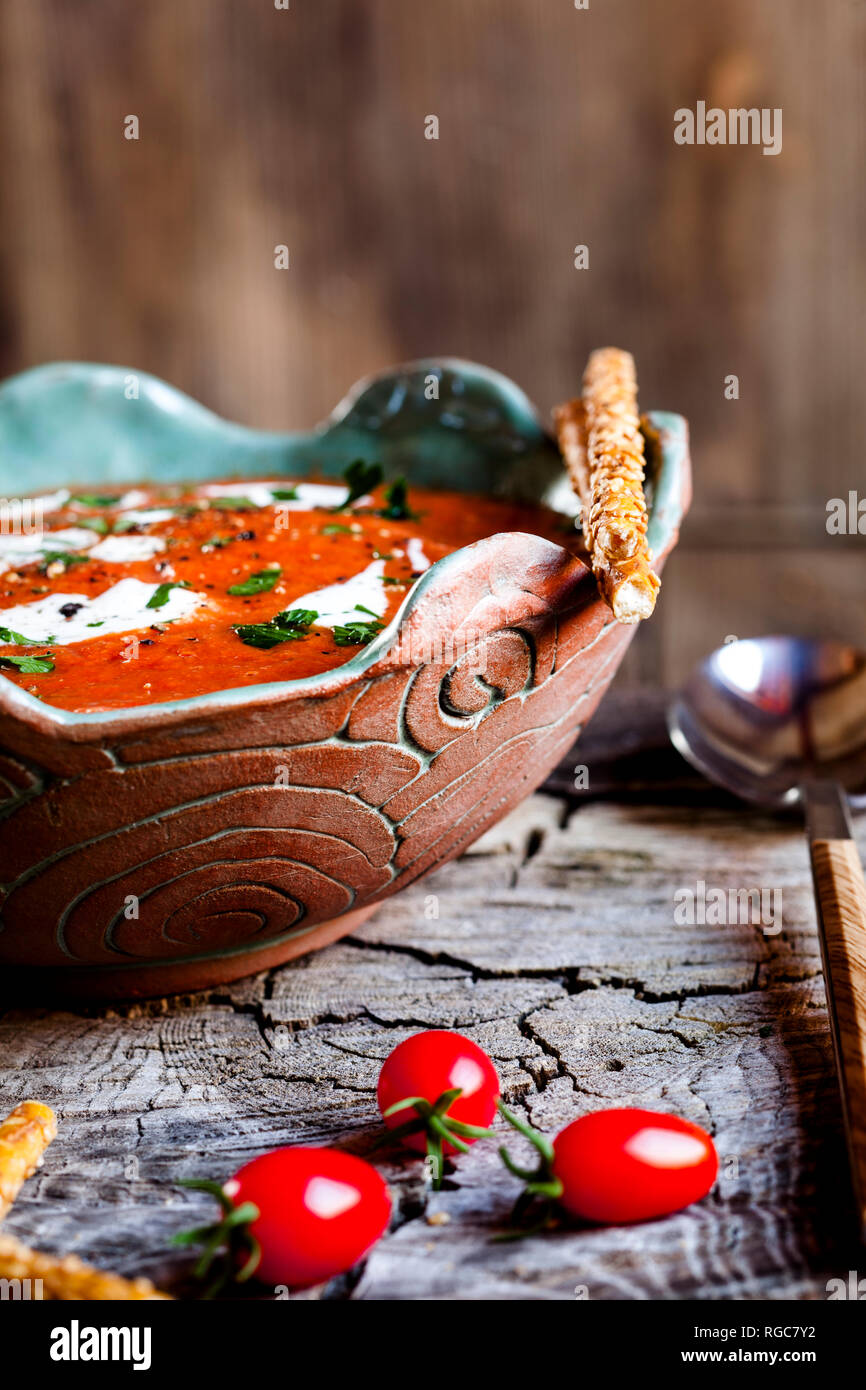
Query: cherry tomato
point(320, 1210)
point(632, 1165)
point(428, 1065)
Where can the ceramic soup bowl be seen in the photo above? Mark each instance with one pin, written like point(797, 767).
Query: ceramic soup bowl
point(178, 845)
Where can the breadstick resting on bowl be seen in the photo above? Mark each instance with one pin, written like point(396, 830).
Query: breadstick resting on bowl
point(601, 442)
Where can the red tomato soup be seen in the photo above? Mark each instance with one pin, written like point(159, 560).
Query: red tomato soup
point(121, 599)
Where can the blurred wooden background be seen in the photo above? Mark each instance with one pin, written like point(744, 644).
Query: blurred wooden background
point(305, 126)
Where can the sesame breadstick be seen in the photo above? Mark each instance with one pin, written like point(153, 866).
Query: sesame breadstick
point(24, 1137)
point(68, 1278)
point(602, 444)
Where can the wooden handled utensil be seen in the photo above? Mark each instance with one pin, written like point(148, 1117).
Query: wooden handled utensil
point(782, 720)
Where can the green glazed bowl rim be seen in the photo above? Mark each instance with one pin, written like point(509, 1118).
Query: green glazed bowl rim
point(26, 397)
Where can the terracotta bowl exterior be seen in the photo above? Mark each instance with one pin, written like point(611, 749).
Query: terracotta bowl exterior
point(175, 846)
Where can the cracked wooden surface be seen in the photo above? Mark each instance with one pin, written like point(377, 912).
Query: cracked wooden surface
point(553, 944)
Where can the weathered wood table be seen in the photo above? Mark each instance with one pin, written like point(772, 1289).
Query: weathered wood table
point(554, 944)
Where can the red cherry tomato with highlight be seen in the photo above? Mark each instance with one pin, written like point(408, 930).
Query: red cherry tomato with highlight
point(618, 1166)
point(320, 1210)
point(429, 1064)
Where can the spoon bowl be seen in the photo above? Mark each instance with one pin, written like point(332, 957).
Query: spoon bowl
point(764, 715)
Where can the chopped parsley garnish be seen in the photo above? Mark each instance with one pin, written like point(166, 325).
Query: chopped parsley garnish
point(335, 528)
point(261, 582)
point(284, 494)
point(232, 504)
point(296, 617)
point(390, 579)
point(359, 477)
point(288, 626)
point(29, 665)
point(61, 557)
point(159, 597)
point(94, 523)
point(8, 634)
point(397, 499)
point(382, 555)
point(359, 631)
point(94, 499)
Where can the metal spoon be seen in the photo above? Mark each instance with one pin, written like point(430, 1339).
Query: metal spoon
point(781, 720)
